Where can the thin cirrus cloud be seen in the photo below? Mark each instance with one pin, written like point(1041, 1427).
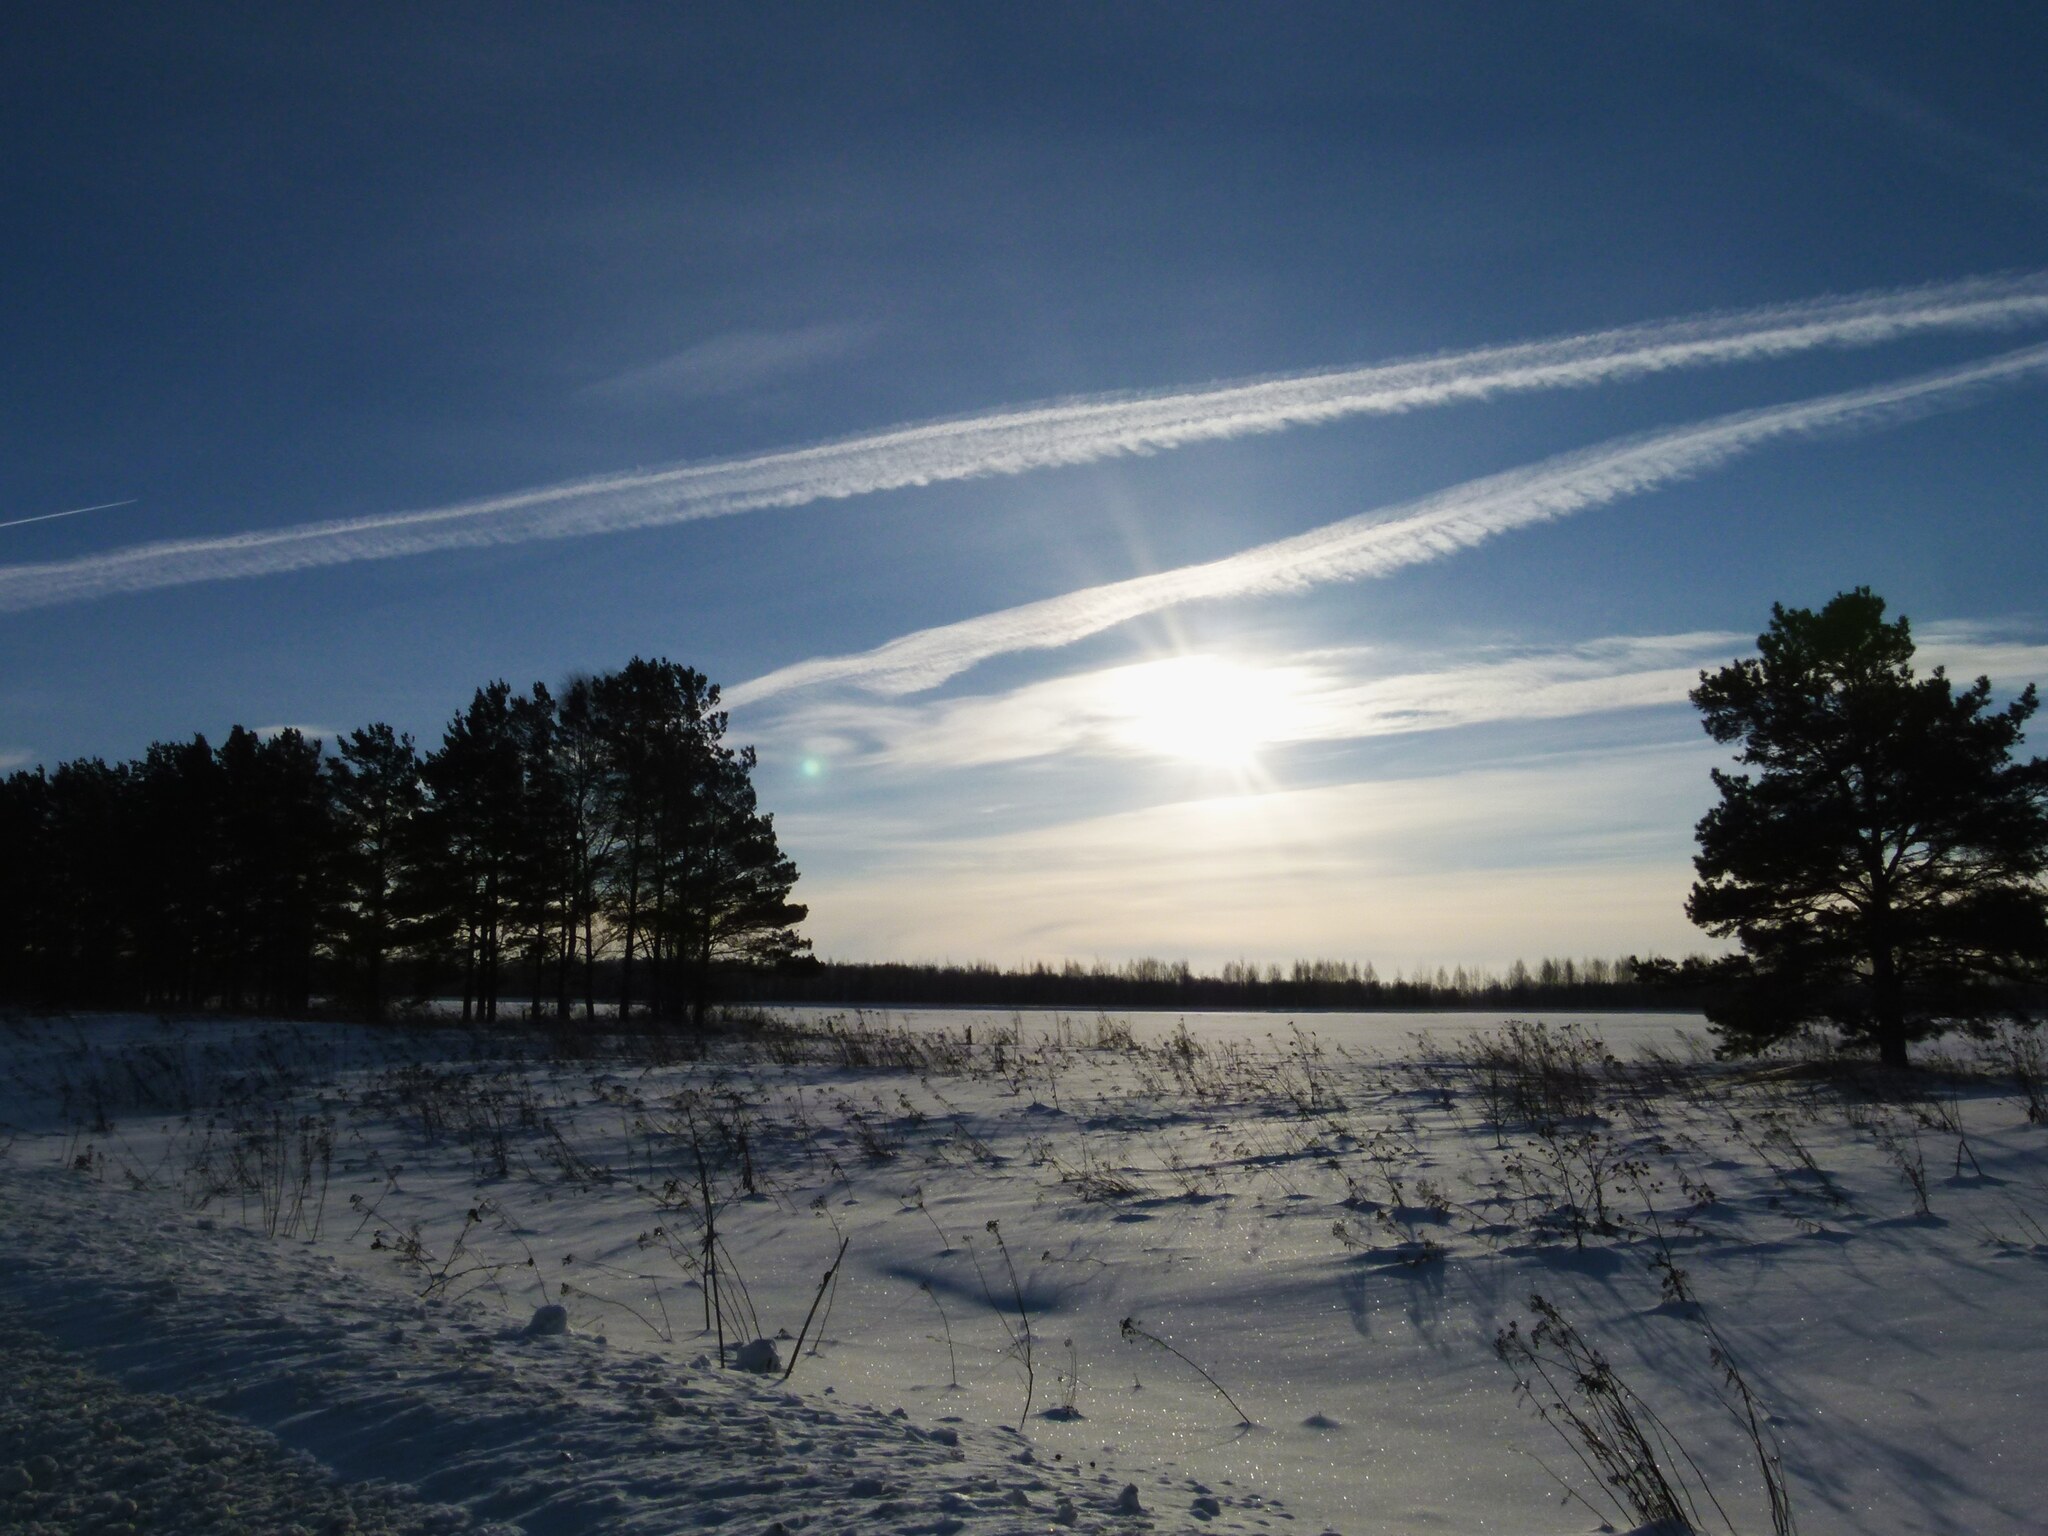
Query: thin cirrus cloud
point(1969, 650)
point(1314, 696)
point(1930, 136)
point(1327, 695)
point(1375, 543)
point(1012, 442)
point(734, 363)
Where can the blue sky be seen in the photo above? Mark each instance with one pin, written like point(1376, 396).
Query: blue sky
point(1189, 480)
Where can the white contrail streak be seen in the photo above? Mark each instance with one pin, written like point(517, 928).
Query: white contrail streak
point(1016, 441)
point(44, 517)
point(1375, 543)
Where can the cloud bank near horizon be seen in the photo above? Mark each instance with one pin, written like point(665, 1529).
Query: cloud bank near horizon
point(1401, 871)
point(1017, 441)
point(1378, 542)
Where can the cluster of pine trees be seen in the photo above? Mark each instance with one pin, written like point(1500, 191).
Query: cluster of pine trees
point(547, 847)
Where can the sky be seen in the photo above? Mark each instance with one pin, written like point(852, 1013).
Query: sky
point(1201, 481)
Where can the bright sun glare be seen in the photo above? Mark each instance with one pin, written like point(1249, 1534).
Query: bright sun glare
point(1201, 709)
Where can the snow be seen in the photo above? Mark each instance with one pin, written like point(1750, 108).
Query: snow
point(1256, 1272)
point(547, 1320)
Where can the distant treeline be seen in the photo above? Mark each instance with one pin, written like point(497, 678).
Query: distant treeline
point(1306, 984)
point(545, 844)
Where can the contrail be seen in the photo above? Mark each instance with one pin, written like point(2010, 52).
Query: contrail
point(1375, 543)
point(44, 517)
point(1012, 442)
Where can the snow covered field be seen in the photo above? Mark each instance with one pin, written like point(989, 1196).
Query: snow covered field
point(1097, 1273)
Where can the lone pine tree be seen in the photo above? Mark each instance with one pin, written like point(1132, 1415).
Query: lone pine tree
point(1881, 860)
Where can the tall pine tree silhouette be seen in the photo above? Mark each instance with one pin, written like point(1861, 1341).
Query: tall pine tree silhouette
point(1880, 861)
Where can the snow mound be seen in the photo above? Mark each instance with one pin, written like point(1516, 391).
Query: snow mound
point(548, 1321)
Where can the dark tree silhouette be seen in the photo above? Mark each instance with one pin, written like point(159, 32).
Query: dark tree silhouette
point(89, 959)
point(539, 839)
point(375, 779)
point(175, 812)
point(541, 842)
point(636, 710)
point(472, 838)
point(1881, 862)
point(590, 840)
point(30, 922)
point(730, 900)
point(277, 841)
point(697, 878)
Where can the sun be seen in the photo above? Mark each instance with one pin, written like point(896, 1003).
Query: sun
point(1200, 709)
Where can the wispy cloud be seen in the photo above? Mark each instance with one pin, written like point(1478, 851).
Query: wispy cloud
point(735, 362)
point(1973, 650)
point(1315, 696)
point(12, 758)
point(1324, 695)
point(311, 732)
point(1941, 141)
point(1931, 136)
point(1375, 543)
point(1016, 441)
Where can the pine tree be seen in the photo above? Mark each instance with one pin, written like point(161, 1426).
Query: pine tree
point(696, 876)
point(732, 901)
point(277, 842)
point(1881, 864)
point(175, 808)
point(581, 764)
point(470, 841)
point(375, 780)
point(29, 875)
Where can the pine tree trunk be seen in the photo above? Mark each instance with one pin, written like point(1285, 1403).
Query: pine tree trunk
point(1889, 1007)
point(632, 932)
point(589, 965)
point(565, 959)
point(656, 999)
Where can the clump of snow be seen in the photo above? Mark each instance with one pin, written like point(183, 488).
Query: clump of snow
point(548, 1320)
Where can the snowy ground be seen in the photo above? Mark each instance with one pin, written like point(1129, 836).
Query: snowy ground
point(222, 1233)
